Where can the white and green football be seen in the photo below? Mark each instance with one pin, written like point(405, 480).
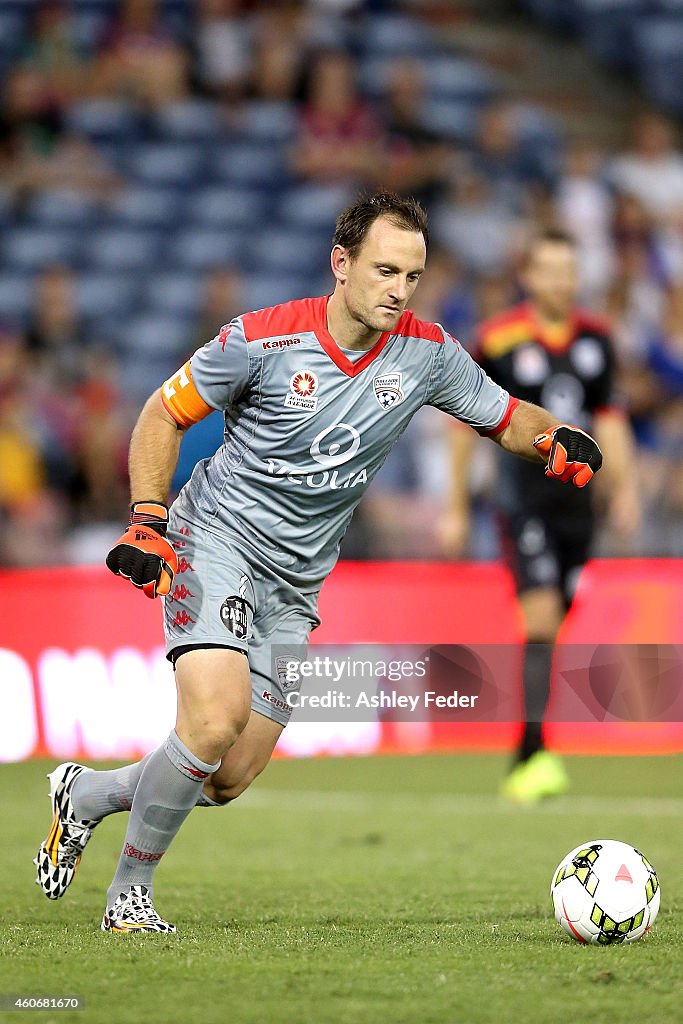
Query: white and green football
point(605, 892)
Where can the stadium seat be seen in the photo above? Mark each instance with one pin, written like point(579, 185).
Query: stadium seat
point(283, 248)
point(146, 207)
point(454, 119)
point(32, 248)
point(87, 25)
point(122, 249)
point(262, 290)
point(250, 165)
point(659, 50)
point(189, 120)
point(105, 119)
point(16, 296)
point(266, 121)
point(101, 295)
point(64, 207)
point(152, 334)
point(144, 375)
point(221, 206)
point(12, 31)
point(203, 249)
point(174, 293)
point(394, 35)
point(459, 78)
point(165, 163)
point(313, 206)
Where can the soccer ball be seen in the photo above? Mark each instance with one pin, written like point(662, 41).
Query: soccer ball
point(605, 892)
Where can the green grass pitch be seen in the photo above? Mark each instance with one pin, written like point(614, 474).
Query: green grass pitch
point(355, 891)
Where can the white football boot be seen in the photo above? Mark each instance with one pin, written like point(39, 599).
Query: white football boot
point(60, 854)
point(133, 911)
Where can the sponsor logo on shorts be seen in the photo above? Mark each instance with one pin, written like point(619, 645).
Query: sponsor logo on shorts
point(282, 705)
point(183, 619)
point(234, 616)
point(270, 346)
point(302, 386)
point(388, 391)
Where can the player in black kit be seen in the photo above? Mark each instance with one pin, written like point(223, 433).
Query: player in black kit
point(549, 352)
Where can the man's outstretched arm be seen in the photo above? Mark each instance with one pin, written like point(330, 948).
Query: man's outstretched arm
point(570, 454)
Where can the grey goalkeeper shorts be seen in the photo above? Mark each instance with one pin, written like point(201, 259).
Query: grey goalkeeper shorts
point(221, 597)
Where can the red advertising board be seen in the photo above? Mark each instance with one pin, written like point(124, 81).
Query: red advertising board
point(83, 673)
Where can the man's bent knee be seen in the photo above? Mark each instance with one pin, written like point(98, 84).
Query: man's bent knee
point(223, 789)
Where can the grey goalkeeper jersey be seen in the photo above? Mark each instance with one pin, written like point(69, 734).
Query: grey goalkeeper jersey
point(306, 428)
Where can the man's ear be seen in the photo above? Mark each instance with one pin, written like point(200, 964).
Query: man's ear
point(339, 260)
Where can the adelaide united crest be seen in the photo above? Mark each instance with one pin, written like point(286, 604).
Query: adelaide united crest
point(387, 388)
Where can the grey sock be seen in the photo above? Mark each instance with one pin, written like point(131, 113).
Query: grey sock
point(96, 794)
point(166, 793)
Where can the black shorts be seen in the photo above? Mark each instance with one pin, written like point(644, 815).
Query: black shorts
point(544, 550)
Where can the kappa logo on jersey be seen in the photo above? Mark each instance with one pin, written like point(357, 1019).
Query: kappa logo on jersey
point(269, 346)
point(387, 388)
point(223, 336)
point(302, 386)
point(234, 616)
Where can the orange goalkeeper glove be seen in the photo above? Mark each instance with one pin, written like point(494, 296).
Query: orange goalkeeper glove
point(572, 454)
point(143, 555)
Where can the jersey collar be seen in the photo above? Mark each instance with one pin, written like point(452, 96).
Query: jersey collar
point(327, 342)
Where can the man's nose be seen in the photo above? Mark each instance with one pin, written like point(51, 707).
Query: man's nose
point(399, 289)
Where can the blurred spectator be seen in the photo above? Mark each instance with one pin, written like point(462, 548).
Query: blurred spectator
point(493, 293)
point(476, 225)
point(653, 169)
point(222, 48)
point(339, 136)
point(584, 208)
point(222, 299)
point(634, 301)
point(445, 295)
point(52, 51)
point(279, 45)
point(500, 157)
point(139, 60)
point(416, 159)
point(31, 118)
point(56, 337)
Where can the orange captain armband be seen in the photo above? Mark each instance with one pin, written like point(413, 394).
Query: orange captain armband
point(181, 398)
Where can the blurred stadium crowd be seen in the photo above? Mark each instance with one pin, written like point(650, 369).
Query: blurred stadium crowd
point(167, 164)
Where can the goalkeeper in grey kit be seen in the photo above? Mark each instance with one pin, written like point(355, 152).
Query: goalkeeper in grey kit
point(315, 392)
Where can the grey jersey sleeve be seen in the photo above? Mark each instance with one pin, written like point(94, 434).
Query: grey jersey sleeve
point(462, 389)
point(220, 369)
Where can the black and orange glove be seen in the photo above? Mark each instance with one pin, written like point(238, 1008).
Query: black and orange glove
point(143, 555)
point(572, 454)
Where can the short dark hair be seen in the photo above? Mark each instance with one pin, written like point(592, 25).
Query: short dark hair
point(355, 221)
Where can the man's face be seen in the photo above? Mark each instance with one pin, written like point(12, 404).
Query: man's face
point(379, 282)
point(551, 278)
